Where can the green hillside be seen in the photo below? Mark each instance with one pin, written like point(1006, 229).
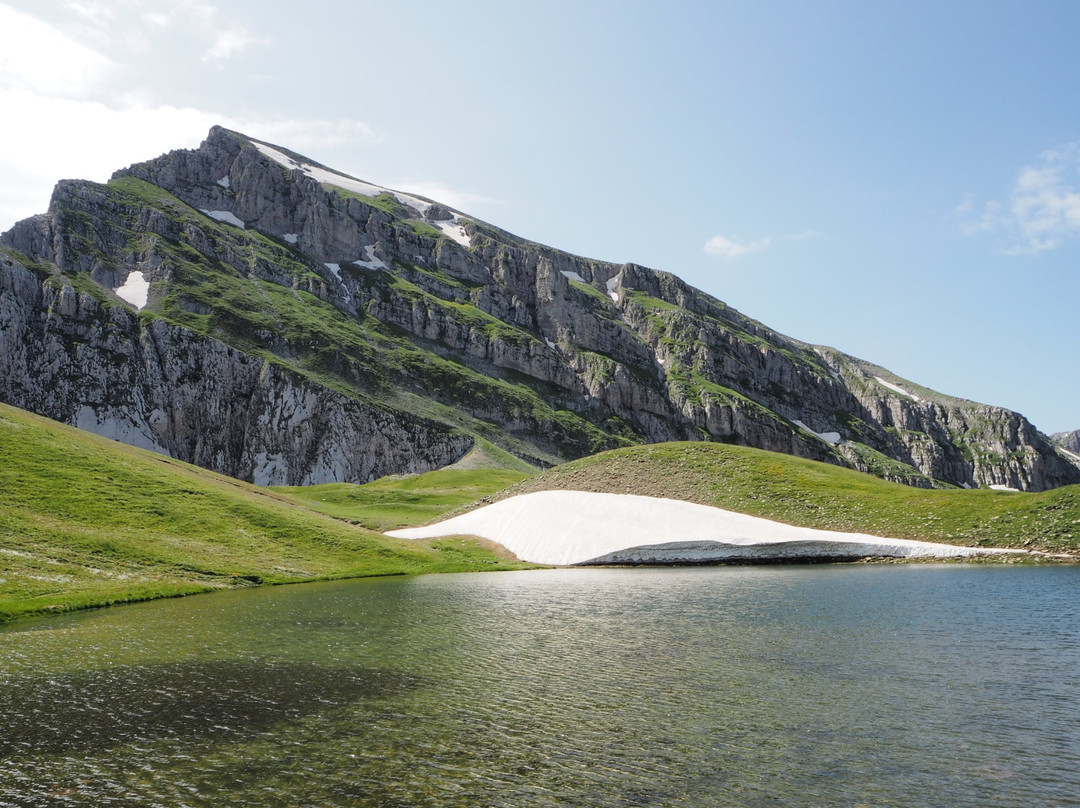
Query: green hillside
point(394, 502)
point(819, 495)
point(86, 521)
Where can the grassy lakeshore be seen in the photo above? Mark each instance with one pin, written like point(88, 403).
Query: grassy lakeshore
point(818, 495)
point(86, 521)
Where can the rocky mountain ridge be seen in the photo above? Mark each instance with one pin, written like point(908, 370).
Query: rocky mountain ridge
point(250, 310)
point(1070, 441)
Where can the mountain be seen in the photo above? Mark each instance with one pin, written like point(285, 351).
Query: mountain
point(244, 308)
point(1070, 441)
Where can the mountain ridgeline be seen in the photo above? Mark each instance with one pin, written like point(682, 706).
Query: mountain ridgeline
point(246, 309)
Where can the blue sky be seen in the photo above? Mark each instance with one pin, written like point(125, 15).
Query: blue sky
point(897, 180)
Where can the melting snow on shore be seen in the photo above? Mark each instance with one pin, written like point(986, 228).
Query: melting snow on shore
point(578, 527)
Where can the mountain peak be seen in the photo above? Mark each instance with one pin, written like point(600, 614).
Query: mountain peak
point(335, 329)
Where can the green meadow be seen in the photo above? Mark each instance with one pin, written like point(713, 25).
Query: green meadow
point(811, 494)
point(86, 521)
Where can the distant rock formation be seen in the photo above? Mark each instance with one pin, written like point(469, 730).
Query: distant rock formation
point(1068, 440)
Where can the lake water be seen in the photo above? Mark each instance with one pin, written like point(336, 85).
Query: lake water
point(910, 685)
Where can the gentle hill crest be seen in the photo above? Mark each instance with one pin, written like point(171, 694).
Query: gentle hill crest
point(86, 521)
point(247, 309)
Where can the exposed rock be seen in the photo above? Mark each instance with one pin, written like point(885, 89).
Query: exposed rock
point(1069, 441)
point(551, 355)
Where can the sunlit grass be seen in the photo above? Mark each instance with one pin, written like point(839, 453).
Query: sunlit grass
point(85, 521)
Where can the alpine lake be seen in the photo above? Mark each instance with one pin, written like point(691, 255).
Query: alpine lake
point(831, 685)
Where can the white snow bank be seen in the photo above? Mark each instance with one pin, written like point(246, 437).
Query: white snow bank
point(291, 238)
point(224, 182)
point(831, 438)
point(896, 388)
point(135, 290)
point(225, 216)
point(611, 284)
point(572, 276)
point(578, 527)
point(1004, 488)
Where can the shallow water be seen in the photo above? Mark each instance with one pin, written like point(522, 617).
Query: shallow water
point(822, 685)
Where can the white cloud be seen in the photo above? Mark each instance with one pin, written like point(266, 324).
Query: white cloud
point(725, 247)
point(36, 57)
point(1042, 211)
point(134, 26)
point(227, 43)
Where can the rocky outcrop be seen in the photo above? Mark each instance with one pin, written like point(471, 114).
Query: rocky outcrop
point(330, 307)
point(95, 364)
point(1070, 441)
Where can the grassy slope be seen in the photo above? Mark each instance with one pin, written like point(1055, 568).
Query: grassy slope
point(394, 502)
point(86, 521)
point(810, 494)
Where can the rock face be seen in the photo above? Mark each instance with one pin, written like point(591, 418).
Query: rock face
point(299, 325)
point(1068, 440)
point(161, 387)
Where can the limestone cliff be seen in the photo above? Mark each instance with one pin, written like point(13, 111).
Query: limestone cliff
point(367, 331)
point(1069, 441)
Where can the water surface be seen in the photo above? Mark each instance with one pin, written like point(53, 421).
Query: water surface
point(822, 685)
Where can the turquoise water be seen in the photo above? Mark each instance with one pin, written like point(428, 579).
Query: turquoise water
point(820, 685)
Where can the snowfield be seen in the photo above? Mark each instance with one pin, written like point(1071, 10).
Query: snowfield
point(562, 528)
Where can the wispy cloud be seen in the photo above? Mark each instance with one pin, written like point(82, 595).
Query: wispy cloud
point(132, 25)
point(36, 57)
point(230, 42)
point(1042, 211)
point(734, 247)
point(83, 126)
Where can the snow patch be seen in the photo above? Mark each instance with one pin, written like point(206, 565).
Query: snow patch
point(550, 344)
point(135, 290)
point(579, 527)
point(611, 284)
point(291, 238)
point(1070, 454)
point(896, 388)
point(327, 177)
point(335, 268)
point(372, 262)
point(224, 182)
point(572, 276)
point(225, 216)
point(831, 438)
point(1000, 487)
point(455, 230)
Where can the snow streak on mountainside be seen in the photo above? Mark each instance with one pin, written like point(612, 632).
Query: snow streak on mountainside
point(246, 308)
